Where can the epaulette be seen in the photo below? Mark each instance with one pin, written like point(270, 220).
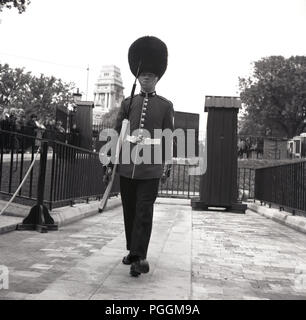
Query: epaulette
point(164, 99)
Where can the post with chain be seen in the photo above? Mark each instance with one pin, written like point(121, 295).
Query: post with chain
point(39, 218)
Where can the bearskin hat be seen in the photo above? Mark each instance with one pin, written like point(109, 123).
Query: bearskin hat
point(150, 54)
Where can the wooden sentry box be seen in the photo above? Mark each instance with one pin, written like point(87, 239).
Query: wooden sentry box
point(83, 120)
point(218, 186)
point(187, 121)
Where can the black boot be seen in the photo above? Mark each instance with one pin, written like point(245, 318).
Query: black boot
point(138, 267)
point(129, 259)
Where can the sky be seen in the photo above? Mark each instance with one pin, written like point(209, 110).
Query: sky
point(211, 43)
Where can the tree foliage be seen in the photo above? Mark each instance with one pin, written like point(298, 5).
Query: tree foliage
point(18, 4)
point(14, 85)
point(275, 96)
point(39, 95)
point(47, 93)
point(109, 118)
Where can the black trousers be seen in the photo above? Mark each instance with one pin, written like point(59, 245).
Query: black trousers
point(138, 197)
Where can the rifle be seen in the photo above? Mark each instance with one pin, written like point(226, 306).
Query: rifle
point(120, 140)
point(108, 189)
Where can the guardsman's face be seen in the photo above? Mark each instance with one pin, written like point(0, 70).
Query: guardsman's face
point(147, 81)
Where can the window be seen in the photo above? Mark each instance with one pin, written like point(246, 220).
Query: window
point(106, 74)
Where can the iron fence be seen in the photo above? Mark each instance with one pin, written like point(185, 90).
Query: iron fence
point(246, 184)
point(16, 154)
point(182, 185)
point(71, 173)
point(283, 185)
point(74, 173)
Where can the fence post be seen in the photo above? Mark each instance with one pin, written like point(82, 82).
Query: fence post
point(39, 217)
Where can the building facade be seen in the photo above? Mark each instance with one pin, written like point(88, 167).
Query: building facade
point(108, 92)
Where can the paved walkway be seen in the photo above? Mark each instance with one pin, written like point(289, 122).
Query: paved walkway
point(192, 255)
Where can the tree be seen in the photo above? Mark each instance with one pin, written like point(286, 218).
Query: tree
point(275, 96)
point(246, 126)
point(40, 95)
point(14, 85)
point(46, 93)
point(18, 4)
point(109, 118)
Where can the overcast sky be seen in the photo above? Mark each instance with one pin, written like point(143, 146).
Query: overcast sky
point(210, 42)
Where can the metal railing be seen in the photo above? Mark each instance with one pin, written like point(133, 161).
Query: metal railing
point(246, 183)
point(16, 154)
point(283, 185)
point(74, 173)
point(71, 173)
point(182, 185)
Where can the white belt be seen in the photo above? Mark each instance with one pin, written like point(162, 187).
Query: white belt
point(142, 140)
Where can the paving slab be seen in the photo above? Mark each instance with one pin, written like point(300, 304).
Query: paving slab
point(246, 257)
point(83, 260)
point(198, 255)
point(8, 224)
point(15, 213)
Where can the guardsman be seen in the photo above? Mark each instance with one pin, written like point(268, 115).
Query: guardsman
point(139, 180)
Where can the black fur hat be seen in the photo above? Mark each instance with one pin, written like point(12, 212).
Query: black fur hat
point(150, 54)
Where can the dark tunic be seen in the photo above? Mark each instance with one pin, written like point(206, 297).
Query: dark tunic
point(149, 112)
